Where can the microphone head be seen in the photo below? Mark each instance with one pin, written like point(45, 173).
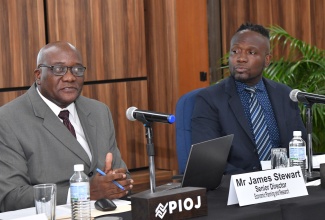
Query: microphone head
point(129, 113)
point(293, 95)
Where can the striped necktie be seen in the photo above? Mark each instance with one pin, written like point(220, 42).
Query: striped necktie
point(64, 115)
point(261, 132)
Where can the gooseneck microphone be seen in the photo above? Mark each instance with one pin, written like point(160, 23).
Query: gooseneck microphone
point(304, 97)
point(133, 114)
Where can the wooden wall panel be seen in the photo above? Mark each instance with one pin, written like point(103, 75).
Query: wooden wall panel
point(130, 135)
point(302, 19)
point(161, 45)
point(317, 23)
point(109, 33)
point(192, 44)
point(8, 96)
point(214, 39)
point(22, 32)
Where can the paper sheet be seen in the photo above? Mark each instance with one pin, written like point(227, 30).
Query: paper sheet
point(313, 183)
point(317, 160)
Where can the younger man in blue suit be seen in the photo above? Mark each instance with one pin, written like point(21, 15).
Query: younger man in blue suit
point(224, 108)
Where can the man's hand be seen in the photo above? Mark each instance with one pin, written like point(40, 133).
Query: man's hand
point(103, 187)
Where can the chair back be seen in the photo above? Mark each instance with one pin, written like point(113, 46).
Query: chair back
point(184, 109)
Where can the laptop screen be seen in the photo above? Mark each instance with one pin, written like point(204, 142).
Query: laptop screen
point(206, 163)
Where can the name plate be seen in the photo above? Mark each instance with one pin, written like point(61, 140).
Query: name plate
point(265, 186)
point(180, 203)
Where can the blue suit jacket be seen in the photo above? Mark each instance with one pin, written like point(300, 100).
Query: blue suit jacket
point(218, 112)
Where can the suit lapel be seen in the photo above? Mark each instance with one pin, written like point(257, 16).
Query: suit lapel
point(89, 128)
point(277, 97)
point(237, 108)
point(57, 129)
point(52, 123)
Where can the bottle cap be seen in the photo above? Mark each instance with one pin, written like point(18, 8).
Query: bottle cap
point(78, 167)
point(297, 133)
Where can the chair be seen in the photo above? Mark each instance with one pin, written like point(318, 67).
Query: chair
point(184, 109)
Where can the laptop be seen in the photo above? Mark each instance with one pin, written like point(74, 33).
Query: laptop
point(206, 163)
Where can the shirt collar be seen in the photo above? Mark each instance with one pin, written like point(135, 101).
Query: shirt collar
point(241, 86)
point(56, 109)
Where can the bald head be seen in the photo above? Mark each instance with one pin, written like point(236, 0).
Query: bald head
point(54, 47)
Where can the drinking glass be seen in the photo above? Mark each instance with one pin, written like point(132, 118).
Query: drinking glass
point(45, 199)
point(279, 158)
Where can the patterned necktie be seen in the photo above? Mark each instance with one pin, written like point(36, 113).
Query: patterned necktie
point(64, 115)
point(261, 132)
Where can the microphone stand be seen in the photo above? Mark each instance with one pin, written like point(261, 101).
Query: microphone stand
point(311, 175)
point(144, 203)
point(150, 150)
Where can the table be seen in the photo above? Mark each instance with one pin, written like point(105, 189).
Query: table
point(311, 207)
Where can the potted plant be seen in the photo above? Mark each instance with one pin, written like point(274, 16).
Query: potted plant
point(300, 66)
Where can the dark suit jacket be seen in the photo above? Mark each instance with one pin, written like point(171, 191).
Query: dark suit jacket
point(35, 147)
point(218, 111)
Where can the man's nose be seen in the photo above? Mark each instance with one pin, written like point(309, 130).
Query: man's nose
point(69, 76)
point(242, 57)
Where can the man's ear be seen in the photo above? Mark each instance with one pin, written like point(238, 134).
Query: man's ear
point(37, 75)
point(268, 58)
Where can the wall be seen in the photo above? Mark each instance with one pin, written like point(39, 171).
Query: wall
point(302, 19)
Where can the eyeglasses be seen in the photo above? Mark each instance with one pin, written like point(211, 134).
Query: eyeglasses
point(59, 70)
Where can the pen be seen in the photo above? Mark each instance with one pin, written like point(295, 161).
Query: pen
point(116, 183)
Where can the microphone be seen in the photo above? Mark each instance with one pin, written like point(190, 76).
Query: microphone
point(296, 95)
point(134, 113)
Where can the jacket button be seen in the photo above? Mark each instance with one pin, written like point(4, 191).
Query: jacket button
point(90, 174)
point(254, 168)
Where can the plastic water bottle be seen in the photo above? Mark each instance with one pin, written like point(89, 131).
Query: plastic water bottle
point(80, 194)
point(297, 153)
